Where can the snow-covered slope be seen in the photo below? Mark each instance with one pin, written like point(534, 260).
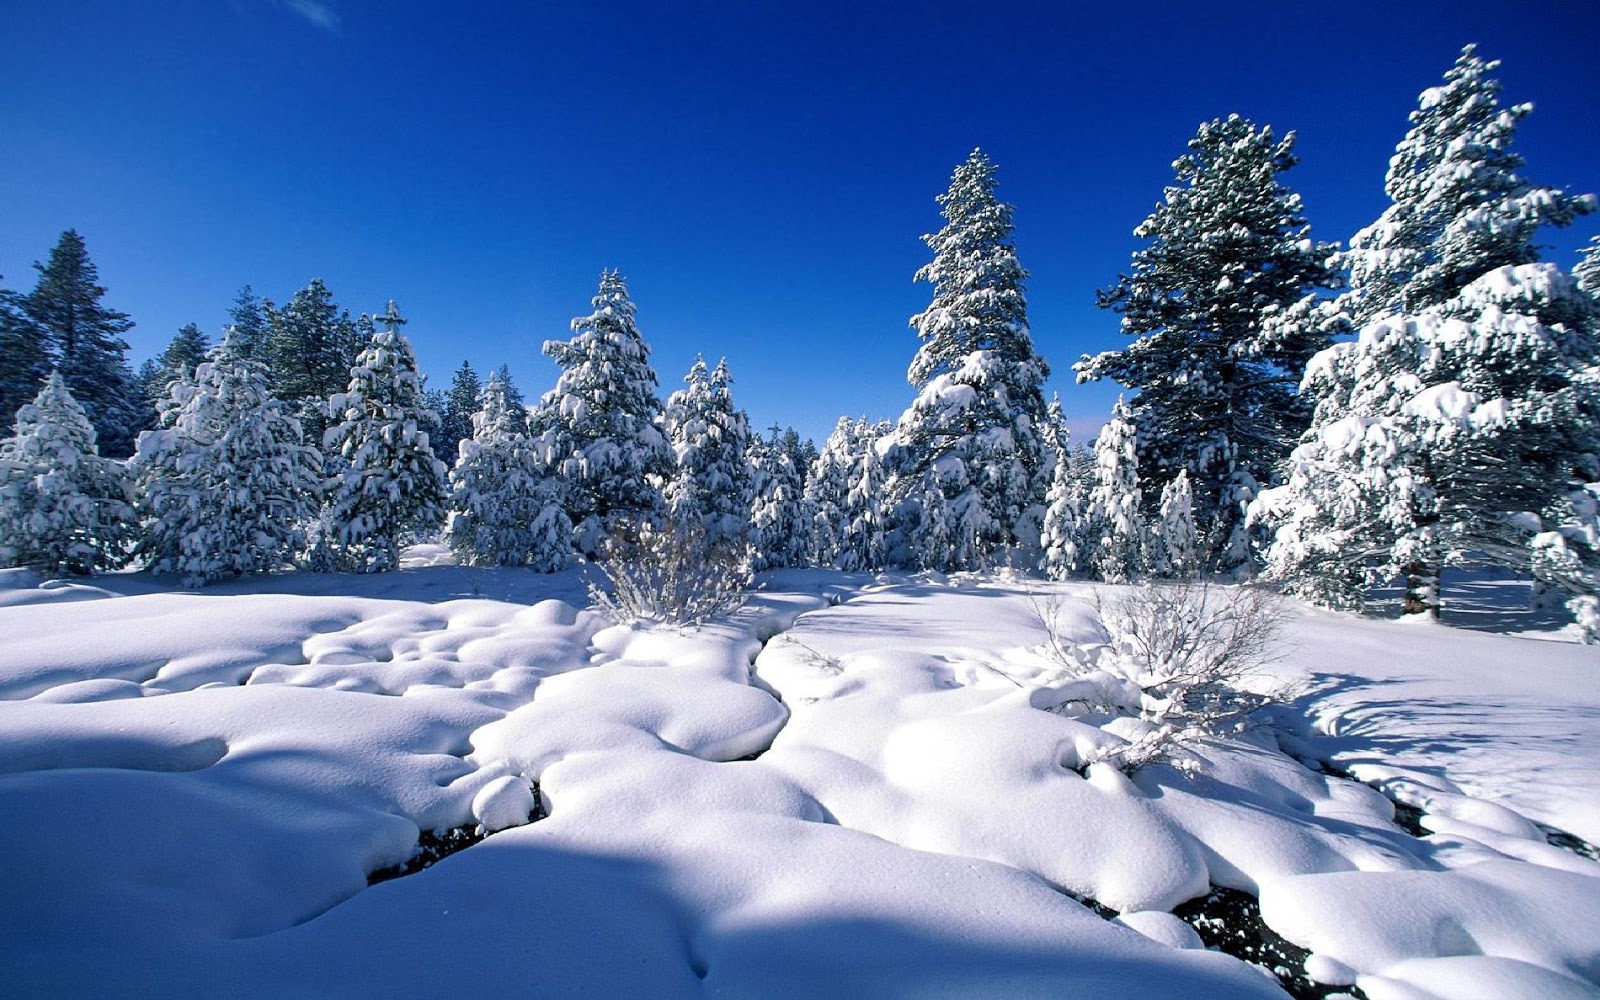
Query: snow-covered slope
point(847, 790)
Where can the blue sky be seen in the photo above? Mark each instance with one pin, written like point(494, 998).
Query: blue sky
point(760, 172)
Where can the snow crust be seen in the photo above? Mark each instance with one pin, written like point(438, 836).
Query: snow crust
point(854, 787)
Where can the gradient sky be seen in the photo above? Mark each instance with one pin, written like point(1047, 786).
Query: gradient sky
point(760, 172)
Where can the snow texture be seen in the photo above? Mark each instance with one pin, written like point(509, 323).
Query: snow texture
point(852, 787)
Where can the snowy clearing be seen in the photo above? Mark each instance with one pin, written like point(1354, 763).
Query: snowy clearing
point(850, 789)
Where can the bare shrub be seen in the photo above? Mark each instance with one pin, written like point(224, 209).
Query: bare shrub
point(1184, 663)
point(673, 575)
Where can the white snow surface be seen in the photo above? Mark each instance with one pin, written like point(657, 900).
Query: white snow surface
point(852, 788)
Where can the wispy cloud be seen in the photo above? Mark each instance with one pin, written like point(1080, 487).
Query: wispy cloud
point(315, 12)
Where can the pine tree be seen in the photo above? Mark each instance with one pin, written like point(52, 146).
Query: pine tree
point(1587, 270)
point(827, 489)
point(1059, 535)
point(864, 545)
point(1113, 528)
point(780, 520)
point(457, 416)
point(84, 340)
point(1459, 433)
point(1459, 209)
point(1466, 410)
point(184, 353)
point(1174, 541)
point(602, 420)
point(389, 486)
point(24, 355)
point(710, 441)
point(63, 508)
point(973, 431)
point(225, 483)
point(1221, 303)
point(311, 345)
point(249, 316)
point(503, 511)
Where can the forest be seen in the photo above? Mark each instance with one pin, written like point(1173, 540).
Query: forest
point(1327, 419)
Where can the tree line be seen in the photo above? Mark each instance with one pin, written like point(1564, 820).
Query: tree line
point(1333, 417)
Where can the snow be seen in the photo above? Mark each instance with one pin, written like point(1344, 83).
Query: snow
point(853, 787)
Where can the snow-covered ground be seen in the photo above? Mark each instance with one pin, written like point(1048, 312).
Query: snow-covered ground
point(849, 790)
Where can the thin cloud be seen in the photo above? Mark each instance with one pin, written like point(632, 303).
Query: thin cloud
point(315, 12)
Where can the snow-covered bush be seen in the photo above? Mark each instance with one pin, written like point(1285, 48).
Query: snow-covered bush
point(1182, 665)
point(673, 575)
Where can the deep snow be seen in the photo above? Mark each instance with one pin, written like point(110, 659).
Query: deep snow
point(197, 784)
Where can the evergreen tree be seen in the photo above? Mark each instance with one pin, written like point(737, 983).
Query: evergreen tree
point(710, 440)
point(973, 431)
point(1459, 433)
point(63, 508)
point(225, 483)
point(311, 345)
point(460, 406)
point(24, 355)
point(780, 520)
point(865, 542)
point(1174, 541)
point(1059, 536)
point(1587, 270)
point(389, 486)
point(827, 490)
point(1459, 209)
point(602, 420)
point(503, 511)
point(84, 339)
point(1113, 528)
point(184, 353)
point(1221, 303)
point(249, 316)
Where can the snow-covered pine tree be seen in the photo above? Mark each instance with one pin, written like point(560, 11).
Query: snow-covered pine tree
point(503, 510)
point(1587, 270)
point(973, 431)
point(63, 508)
point(1459, 209)
point(780, 520)
point(458, 414)
point(1465, 411)
point(1461, 433)
point(864, 543)
point(388, 486)
point(225, 484)
point(85, 342)
point(186, 351)
point(826, 492)
point(602, 420)
point(1058, 539)
point(710, 441)
point(1221, 305)
point(1113, 527)
point(1174, 541)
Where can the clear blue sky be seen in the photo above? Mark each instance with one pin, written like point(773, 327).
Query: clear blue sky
point(760, 172)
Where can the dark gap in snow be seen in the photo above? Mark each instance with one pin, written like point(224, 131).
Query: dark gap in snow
point(1229, 921)
point(433, 846)
point(1571, 842)
point(1409, 819)
point(1100, 909)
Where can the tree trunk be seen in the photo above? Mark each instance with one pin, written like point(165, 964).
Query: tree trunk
point(1422, 589)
